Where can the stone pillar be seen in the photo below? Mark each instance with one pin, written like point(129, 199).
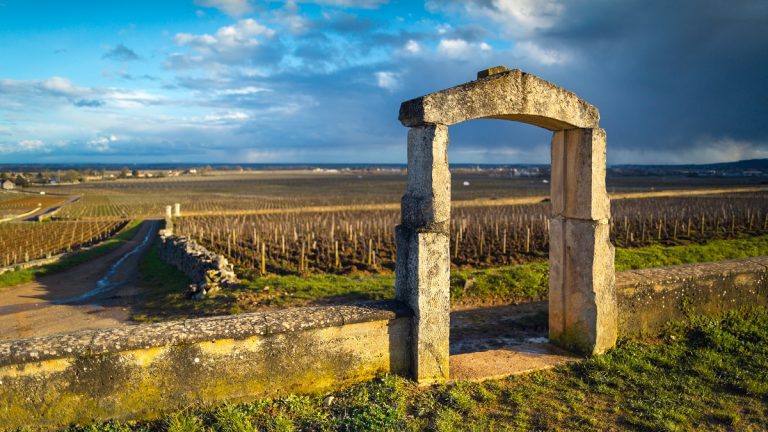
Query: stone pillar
point(177, 210)
point(422, 270)
point(168, 212)
point(582, 295)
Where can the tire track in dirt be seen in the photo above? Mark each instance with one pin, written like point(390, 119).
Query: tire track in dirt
point(66, 301)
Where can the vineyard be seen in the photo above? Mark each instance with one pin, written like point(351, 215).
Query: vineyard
point(347, 241)
point(268, 192)
point(22, 242)
point(24, 204)
point(137, 206)
point(301, 222)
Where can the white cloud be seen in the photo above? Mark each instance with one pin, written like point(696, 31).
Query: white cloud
point(230, 43)
point(530, 14)
point(291, 18)
point(121, 98)
point(244, 33)
point(26, 145)
point(519, 17)
point(233, 8)
point(412, 47)
point(227, 117)
point(547, 57)
point(365, 4)
point(461, 49)
point(387, 80)
point(61, 92)
point(243, 91)
point(102, 144)
point(59, 85)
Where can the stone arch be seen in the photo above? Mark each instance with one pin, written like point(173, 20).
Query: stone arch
point(582, 298)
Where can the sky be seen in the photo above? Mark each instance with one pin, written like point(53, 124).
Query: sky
point(321, 81)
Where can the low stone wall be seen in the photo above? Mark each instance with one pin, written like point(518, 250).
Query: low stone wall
point(145, 370)
point(208, 270)
point(647, 299)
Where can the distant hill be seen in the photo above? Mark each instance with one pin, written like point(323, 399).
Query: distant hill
point(750, 164)
point(745, 168)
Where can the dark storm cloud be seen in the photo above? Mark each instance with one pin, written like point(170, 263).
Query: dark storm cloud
point(130, 77)
point(349, 23)
point(674, 81)
point(669, 75)
point(121, 53)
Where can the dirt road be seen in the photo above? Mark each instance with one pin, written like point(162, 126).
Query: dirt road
point(96, 294)
point(45, 212)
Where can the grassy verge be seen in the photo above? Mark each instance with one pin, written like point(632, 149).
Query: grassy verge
point(705, 374)
point(167, 299)
point(164, 291)
point(715, 250)
point(30, 274)
point(519, 283)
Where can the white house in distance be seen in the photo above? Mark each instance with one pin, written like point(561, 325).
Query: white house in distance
point(8, 185)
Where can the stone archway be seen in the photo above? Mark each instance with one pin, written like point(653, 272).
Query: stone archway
point(582, 297)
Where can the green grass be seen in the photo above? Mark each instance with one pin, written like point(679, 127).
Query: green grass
point(524, 282)
point(703, 374)
point(28, 275)
point(519, 283)
point(163, 289)
point(715, 250)
point(169, 300)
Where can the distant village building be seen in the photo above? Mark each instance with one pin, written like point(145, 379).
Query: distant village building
point(8, 185)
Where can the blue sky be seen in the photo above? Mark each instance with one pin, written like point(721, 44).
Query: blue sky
point(239, 81)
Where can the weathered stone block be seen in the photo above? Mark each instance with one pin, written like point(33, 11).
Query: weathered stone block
point(649, 298)
point(427, 199)
point(582, 294)
point(509, 95)
point(485, 73)
point(145, 371)
point(578, 174)
point(422, 282)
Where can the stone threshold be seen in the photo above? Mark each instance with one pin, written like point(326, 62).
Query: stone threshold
point(513, 360)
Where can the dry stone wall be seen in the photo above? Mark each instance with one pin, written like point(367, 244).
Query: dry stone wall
point(208, 270)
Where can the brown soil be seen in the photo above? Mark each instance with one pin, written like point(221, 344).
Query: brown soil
point(35, 308)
